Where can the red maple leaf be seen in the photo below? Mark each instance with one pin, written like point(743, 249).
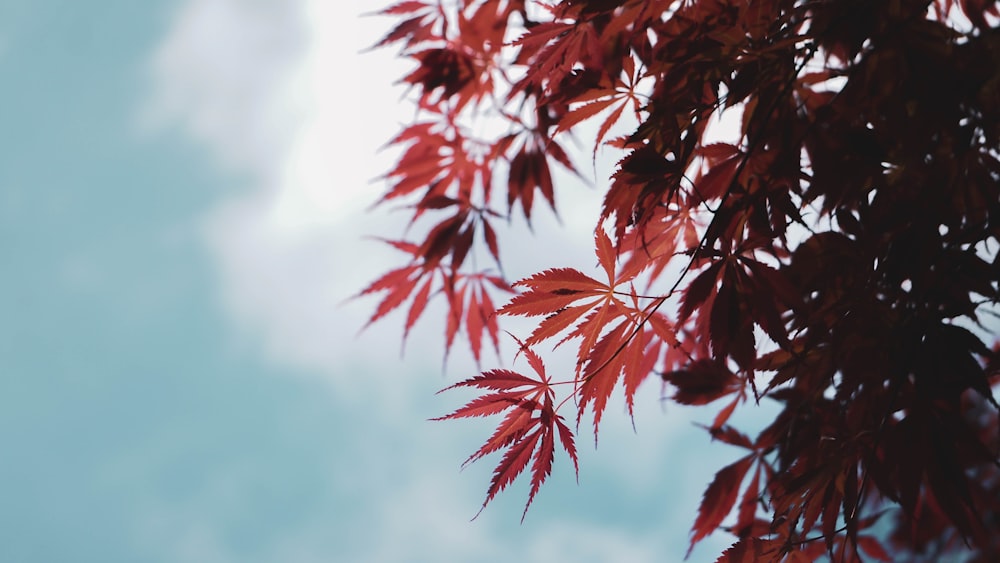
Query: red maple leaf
point(527, 432)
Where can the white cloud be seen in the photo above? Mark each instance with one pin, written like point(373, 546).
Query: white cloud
point(220, 72)
point(276, 92)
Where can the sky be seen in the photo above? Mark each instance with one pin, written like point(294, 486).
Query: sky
point(184, 187)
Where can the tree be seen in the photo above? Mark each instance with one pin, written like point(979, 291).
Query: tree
point(838, 253)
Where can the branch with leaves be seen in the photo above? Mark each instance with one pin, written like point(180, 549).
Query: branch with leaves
point(838, 254)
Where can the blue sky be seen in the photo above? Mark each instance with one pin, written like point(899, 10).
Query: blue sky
point(182, 187)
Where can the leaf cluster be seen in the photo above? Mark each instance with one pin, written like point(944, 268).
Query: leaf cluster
point(837, 253)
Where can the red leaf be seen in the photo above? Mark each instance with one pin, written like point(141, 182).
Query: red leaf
point(511, 465)
point(486, 405)
point(444, 237)
point(415, 28)
point(566, 439)
point(604, 365)
point(499, 380)
point(490, 236)
point(606, 255)
point(417, 307)
point(731, 436)
point(511, 430)
point(455, 292)
point(584, 112)
point(475, 321)
point(702, 382)
point(406, 7)
point(557, 322)
point(606, 125)
point(563, 281)
point(747, 550)
point(719, 498)
point(748, 505)
point(723, 416)
point(462, 245)
point(699, 290)
point(529, 170)
point(542, 466)
point(522, 430)
point(724, 161)
point(492, 328)
point(535, 361)
point(664, 329)
point(550, 292)
point(469, 304)
point(589, 332)
point(640, 355)
point(398, 284)
point(535, 303)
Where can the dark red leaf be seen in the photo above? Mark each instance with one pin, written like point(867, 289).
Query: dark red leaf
point(698, 291)
point(719, 498)
point(702, 382)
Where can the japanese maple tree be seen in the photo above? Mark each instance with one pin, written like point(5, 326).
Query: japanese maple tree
point(834, 249)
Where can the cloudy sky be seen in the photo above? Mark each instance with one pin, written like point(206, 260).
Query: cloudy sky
point(183, 186)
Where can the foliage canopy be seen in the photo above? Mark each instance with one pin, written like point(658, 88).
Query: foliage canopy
point(837, 254)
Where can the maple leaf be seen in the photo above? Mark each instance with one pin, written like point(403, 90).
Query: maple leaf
point(529, 170)
point(397, 285)
point(722, 162)
point(528, 431)
point(621, 94)
point(467, 296)
point(746, 516)
point(470, 303)
point(645, 180)
point(448, 73)
point(553, 292)
point(719, 498)
point(702, 382)
point(551, 50)
point(416, 29)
